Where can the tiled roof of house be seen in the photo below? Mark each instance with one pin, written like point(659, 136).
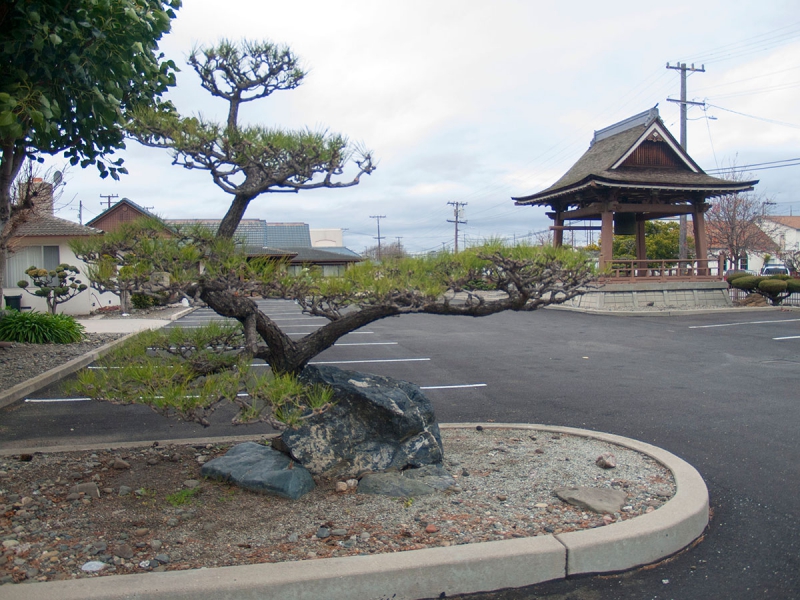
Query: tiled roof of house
point(49, 225)
point(288, 235)
point(793, 222)
point(758, 240)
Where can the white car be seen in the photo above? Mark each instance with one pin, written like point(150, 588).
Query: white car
point(775, 269)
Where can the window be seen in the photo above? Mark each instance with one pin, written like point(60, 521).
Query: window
point(46, 257)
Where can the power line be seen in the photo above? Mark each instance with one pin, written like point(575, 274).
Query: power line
point(773, 121)
point(773, 164)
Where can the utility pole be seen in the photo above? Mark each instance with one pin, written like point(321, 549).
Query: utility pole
point(684, 248)
point(456, 214)
point(108, 198)
point(379, 238)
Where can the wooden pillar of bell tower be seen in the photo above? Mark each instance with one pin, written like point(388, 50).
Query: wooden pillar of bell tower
point(606, 237)
point(558, 233)
point(700, 239)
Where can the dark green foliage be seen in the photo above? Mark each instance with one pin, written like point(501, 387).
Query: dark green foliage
point(39, 328)
point(142, 301)
point(662, 241)
point(772, 287)
point(72, 68)
point(735, 275)
point(746, 282)
point(793, 286)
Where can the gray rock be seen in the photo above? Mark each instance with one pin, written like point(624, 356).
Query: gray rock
point(191, 483)
point(323, 532)
point(339, 532)
point(606, 461)
point(435, 476)
point(260, 469)
point(124, 490)
point(124, 551)
point(597, 500)
point(93, 566)
point(162, 558)
point(89, 489)
point(377, 423)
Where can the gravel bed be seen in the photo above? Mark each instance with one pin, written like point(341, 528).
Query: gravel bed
point(505, 480)
point(24, 361)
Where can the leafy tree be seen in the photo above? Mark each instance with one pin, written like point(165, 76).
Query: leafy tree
point(247, 161)
point(56, 286)
point(661, 242)
point(71, 71)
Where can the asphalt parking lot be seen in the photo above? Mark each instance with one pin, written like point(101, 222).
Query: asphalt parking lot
point(720, 391)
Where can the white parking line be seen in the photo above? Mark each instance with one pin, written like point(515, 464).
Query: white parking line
point(43, 400)
point(743, 323)
point(368, 344)
point(451, 387)
point(788, 337)
point(352, 362)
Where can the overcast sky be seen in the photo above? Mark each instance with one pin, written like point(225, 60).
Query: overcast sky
point(476, 102)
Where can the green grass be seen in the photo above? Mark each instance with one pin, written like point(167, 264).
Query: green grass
point(182, 497)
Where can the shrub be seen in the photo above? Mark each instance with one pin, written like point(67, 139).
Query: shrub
point(746, 282)
point(772, 287)
point(141, 301)
point(735, 275)
point(793, 286)
point(39, 328)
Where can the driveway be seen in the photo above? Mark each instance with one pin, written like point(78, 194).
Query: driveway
point(720, 391)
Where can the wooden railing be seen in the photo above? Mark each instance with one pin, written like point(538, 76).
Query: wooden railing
point(663, 270)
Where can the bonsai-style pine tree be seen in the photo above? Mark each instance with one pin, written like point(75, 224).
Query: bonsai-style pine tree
point(250, 161)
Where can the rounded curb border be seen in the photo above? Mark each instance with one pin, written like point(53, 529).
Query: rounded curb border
point(430, 572)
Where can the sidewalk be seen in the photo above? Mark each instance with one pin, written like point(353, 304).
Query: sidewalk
point(121, 325)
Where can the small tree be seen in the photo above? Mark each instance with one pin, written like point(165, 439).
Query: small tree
point(56, 287)
point(393, 250)
point(200, 265)
point(736, 222)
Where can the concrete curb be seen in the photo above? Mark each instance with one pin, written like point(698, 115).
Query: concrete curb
point(58, 373)
point(433, 572)
point(55, 374)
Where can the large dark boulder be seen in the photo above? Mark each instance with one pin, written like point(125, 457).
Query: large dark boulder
point(260, 469)
point(377, 423)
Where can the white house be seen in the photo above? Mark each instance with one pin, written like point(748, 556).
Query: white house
point(784, 231)
point(43, 241)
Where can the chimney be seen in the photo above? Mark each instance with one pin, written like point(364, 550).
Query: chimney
point(42, 193)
